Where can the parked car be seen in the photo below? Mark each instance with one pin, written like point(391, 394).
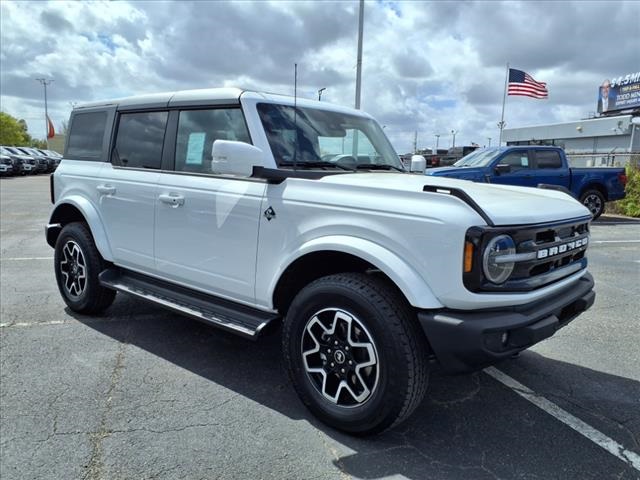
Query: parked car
point(6, 165)
point(531, 165)
point(41, 162)
point(229, 214)
point(53, 161)
point(22, 164)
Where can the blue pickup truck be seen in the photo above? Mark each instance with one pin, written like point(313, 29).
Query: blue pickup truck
point(531, 166)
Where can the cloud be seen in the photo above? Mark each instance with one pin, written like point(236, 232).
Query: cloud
point(427, 66)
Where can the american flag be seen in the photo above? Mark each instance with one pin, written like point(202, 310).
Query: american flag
point(523, 84)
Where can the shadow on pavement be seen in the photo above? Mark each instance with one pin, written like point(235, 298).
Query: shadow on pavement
point(616, 220)
point(468, 427)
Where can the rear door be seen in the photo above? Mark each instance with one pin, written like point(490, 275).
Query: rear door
point(522, 172)
point(550, 169)
point(128, 187)
point(207, 223)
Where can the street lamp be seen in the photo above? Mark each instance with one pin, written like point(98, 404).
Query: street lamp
point(453, 132)
point(437, 142)
point(320, 93)
point(44, 83)
point(489, 138)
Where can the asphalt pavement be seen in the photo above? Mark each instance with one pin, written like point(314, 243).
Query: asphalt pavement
point(141, 393)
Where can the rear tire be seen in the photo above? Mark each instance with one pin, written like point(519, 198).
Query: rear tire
point(355, 353)
point(77, 266)
point(594, 201)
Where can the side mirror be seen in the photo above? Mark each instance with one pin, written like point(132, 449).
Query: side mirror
point(418, 164)
point(235, 158)
point(502, 168)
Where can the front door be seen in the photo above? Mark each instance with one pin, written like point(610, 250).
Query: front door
point(207, 224)
point(522, 173)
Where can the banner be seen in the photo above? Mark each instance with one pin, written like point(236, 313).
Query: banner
point(619, 93)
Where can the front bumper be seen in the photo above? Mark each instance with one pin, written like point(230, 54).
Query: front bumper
point(466, 341)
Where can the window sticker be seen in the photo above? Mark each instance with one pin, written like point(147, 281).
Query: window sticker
point(195, 148)
point(524, 161)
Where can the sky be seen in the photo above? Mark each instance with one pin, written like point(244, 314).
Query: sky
point(428, 67)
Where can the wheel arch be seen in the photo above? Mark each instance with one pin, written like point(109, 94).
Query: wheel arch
point(594, 186)
point(78, 209)
point(330, 255)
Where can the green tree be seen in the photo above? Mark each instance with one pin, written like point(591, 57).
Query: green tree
point(13, 131)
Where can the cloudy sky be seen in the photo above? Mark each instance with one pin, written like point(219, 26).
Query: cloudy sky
point(429, 67)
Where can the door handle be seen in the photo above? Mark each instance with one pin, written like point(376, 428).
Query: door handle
point(172, 199)
point(106, 189)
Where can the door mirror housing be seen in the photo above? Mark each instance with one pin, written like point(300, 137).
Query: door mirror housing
point(502, 168)
point(418, 164)
point(235, 158)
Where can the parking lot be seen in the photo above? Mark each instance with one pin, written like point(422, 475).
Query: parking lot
point(142, 393)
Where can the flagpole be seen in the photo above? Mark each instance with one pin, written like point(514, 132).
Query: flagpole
point(504, 100)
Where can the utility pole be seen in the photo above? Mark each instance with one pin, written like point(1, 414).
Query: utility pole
point(437, 142)
point(320, 93)
point(489, 138)
point(44, 83)
point(359, 64)
point(453, 132)
point(415, 142)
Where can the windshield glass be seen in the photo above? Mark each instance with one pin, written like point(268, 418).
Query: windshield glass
point(313, 138)
point(479, 158)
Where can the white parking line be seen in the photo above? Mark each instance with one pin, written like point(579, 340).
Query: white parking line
point(32, 324)
point(615, 241)
point(597, 437)
point(12, 259)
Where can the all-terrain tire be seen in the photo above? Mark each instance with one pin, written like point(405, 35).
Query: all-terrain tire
point(77, 264)
point(375, 315)
point(594, 201)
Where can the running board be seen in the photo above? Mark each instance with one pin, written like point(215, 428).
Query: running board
point(239, 319)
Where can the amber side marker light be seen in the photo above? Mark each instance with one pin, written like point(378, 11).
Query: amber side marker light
point(468, 256)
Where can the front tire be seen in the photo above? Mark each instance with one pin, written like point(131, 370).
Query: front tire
point(355, 353)
point(594, 201)
point(77, 266)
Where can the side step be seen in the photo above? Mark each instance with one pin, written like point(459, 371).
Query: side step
point(239, 319)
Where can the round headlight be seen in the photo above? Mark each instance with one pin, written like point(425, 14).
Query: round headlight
point(497, 268)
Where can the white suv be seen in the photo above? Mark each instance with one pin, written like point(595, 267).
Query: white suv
point(248, 210)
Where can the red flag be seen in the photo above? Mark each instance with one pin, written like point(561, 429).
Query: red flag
point(50, 130)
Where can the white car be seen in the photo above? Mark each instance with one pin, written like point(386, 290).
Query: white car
point(248, 210)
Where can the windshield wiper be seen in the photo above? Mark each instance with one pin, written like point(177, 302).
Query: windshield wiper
point(377, 166)
point(314, 165)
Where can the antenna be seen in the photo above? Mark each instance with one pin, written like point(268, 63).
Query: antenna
point(295, 114)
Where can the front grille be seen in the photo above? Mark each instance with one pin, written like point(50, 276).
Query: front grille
point(554, 252)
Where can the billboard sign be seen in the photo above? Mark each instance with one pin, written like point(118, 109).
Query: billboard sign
point(619, 93)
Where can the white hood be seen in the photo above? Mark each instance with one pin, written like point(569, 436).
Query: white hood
point(504, 204)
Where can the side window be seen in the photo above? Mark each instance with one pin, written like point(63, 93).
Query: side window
point(86, 135)
point(198, 129)
point(139, 140)
point(517, 160)
point(548, 159)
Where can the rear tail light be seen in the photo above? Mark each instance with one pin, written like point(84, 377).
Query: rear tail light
point(622, 178)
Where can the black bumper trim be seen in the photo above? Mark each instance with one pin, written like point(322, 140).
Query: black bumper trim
point(465, 341)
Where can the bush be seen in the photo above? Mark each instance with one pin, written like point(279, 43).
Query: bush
point(630, 205)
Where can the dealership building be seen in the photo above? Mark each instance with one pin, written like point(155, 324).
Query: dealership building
point(611, 139)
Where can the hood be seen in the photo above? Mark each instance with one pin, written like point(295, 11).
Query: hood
point(503, 204)
point(457, 172)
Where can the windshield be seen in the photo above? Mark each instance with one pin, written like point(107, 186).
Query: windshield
point(479, 158)
point(312, 138)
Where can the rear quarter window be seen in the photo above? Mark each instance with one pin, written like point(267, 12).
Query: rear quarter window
point(86, 136)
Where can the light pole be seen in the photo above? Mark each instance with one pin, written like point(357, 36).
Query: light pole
point(489, 138)
point(320, 93)
point(453, 132)
point(437, 142)
point(44, 83)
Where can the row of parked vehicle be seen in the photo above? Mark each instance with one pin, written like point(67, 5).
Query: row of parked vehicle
point(27, 161)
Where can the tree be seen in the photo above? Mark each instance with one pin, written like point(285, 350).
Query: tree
point(12, 131)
